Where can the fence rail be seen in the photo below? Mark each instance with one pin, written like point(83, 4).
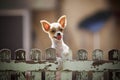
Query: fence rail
point(39, 69)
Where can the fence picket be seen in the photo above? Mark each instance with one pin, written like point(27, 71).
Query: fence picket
point(5, 55)
point(82, 54)
point(114, 54)
point(36, 75)
point(83, 75)
point(66, 75)
point(36, 55)
point(20, 55)
point(50, 75)
point(98, 76)
point(50, 54)
point(97, 54)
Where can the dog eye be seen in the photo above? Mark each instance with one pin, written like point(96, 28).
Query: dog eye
point(53, 31)
point(61, 30)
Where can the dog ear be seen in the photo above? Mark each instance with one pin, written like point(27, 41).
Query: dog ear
point(45, 25)
point(63, 21)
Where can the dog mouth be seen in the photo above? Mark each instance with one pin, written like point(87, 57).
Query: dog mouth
point(58, 37)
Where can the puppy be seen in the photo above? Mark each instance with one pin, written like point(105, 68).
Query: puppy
point(55, 31)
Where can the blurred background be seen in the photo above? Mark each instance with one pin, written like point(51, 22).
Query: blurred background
point(92, 24)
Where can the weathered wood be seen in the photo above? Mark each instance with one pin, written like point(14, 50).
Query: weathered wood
point(50, 54)
point(114, 54)
point(20, 55)
point(97, 54)
point(50, 75)
point(14, 75)
point(23, 66)
point(67, 65)
point(81, 75)
point(98, 76)
point(36, 75)
point(82, 54)
point(5, 55)
point(114, 74)
point(17, 69)
point(66, 75)
point(36, 55)
point(21, 75)
point(5, 75)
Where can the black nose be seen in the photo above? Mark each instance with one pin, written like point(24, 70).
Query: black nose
point(58, 34)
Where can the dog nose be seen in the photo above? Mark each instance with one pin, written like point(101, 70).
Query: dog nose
point(58, 34)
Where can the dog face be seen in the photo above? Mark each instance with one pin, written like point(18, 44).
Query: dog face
point(55, 30)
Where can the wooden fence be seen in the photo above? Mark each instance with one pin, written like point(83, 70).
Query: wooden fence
point(39, 69)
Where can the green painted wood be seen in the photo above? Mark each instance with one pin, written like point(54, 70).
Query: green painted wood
point(50, 54)
point(36, 75)
point(5, 75)
point(114, 54)
point(22, 66)
point(67, 66)
point(35, 55)
point(20, 54)
point(81, 75)
point(98, 76)
point(21, 76)
point(97, 54)
point(90, 65)
point(50, 75)
point(5, 55)
point(114, 75)
point(82, 54)
point(66, 75)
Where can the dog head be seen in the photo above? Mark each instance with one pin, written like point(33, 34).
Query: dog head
point(55, 30)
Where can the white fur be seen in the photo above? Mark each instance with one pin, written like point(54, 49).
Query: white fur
point(55, 24)
point(61, 48)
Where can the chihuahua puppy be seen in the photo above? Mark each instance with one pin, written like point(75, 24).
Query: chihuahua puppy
point(55, 31)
